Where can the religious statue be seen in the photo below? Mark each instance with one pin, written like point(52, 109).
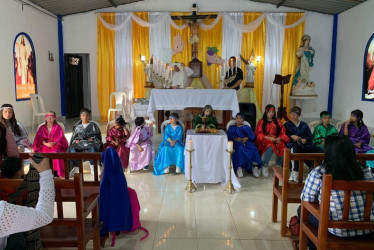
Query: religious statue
point(250, 71)
point(148, 69)
point(194, 39)
point(301, 84)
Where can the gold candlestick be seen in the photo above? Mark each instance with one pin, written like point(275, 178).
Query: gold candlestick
point(229, 185)
point(190, 185)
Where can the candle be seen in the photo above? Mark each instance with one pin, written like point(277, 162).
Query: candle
point(190, 145)
point(236, 64)
point(171, 74)
point(230, 146)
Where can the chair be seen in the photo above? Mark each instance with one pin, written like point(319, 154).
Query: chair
point(167, 122)
point(314, 124)
point(289, 192)
point(120, 101)
point(340, 124)
point(319, 236)
point(232, 122)
point(189, 114)
point(38, 108)
point(59, 123)
point(248, 110)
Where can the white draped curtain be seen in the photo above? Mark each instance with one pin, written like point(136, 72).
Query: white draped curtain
point(273, 58)
point(159, 34)
point(123, 59)
point(231, 37)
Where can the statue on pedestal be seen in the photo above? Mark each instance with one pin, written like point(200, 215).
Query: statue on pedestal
point(301, 84)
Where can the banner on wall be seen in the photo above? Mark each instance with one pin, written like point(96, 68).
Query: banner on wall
point(368, 85)
point(24, 67)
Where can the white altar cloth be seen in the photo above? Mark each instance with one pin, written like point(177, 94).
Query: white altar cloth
point(178, 99)
point(138, 110)
point(210, 161)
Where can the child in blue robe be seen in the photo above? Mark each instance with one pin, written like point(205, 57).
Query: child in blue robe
point(171, 149)
point(246, 154)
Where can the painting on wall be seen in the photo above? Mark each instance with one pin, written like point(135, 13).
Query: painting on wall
point(24, 67)
point(368, 78)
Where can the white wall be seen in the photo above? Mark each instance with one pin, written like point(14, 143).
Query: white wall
point(80, 36)
point(355, 27)
point(320, 73)
point(42, 30)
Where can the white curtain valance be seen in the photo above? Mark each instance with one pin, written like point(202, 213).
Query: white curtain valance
point(165, 17)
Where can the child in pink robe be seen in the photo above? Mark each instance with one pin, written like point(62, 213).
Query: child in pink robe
point(116, 138)
point(140, 145)
point(50, 138)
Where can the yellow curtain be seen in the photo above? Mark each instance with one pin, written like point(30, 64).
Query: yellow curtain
point(210, 38)
point(292, 42)
point(105, 63)
point(255, 41)
point(140, 46)
point(185, 55)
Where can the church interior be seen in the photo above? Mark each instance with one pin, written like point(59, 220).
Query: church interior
point(175, 61)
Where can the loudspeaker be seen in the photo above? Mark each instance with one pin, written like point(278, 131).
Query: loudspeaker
point(249, 112)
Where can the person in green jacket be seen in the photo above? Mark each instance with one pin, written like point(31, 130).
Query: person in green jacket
point(324, 129)
point(205, 119)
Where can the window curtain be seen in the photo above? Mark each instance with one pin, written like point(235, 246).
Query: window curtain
point(273, 60)
point(185, 55)
point(123, 59)
point(140, 46)
point(255, 40)
point(105, 64)
point(292, 42)
point(210, 38)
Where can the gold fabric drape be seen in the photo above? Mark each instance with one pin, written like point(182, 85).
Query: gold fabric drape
point(185, 55)
point(255, 40)
point(105, 63)
point(292, 42)
point(140, 46)
point(210, 38)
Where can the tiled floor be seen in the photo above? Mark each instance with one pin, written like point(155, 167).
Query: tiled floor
point(206, 219)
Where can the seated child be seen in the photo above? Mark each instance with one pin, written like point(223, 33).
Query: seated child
point(300, 140)
point(11, 168)
point(205, 119)
point(171, 149)
point(246, 153)
point(86, 137)
point(50, 138)
point(357, 131)
point(140, 145)
point(270, 138)
point(116, 138)
point(324, 129)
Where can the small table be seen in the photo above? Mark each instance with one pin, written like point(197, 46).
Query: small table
point(210, 161)
point(138, 110)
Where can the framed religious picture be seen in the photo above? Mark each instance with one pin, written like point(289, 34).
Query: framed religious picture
point(368, 78)
point(24, 67)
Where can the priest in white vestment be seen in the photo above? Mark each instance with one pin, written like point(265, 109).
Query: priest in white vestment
point(180, 75)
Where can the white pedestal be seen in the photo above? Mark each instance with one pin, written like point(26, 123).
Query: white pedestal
point(307, 102)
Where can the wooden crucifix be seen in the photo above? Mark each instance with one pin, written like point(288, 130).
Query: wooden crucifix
point(194, 26)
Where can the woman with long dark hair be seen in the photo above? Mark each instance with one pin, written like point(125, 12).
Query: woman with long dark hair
point(8, 147)
point(357, 131)
point(8, 118)
point(270, 138)
point(340, 161)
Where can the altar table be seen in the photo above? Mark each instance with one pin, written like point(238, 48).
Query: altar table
point(178, 99)
point(138, 110)
point(210, 161)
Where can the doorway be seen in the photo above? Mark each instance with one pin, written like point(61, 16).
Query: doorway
point(77, 83)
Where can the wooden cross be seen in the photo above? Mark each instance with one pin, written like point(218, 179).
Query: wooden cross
point(194, 25)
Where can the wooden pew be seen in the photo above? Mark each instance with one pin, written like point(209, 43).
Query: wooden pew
point(69, 232)
point(89, 187)
point(319, 236)
point(289, 192)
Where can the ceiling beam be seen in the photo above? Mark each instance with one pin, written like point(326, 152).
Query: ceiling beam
point(280, 3)
point(113, 3)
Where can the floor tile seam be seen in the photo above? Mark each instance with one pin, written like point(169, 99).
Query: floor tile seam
point(232, 217)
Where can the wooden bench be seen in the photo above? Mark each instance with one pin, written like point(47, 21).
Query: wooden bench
point(89, 187)
point(69, 232)
point(289, 192)
point(319, 236)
